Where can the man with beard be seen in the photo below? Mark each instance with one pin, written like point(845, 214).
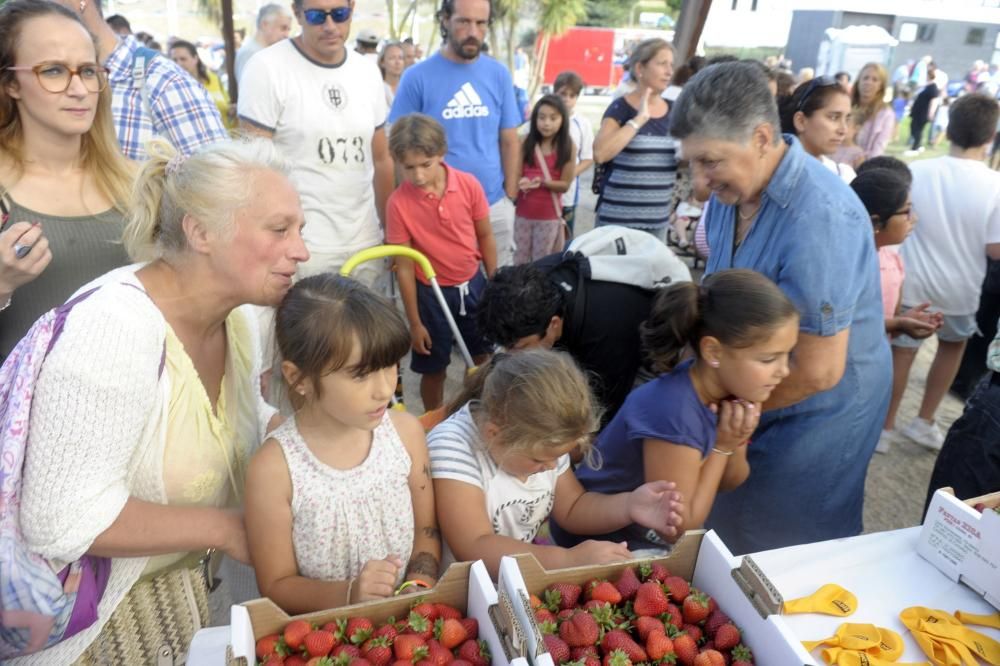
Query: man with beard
point(472, 96)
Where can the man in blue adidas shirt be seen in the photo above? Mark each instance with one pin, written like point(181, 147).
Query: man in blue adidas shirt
point(472, 96)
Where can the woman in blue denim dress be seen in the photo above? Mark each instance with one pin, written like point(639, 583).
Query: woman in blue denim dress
point(778, 211)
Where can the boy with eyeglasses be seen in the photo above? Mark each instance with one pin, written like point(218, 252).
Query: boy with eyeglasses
point(324, 106)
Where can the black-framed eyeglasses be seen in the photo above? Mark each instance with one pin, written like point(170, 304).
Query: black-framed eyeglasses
point(811, 87)
point(318, 16)
point(55, 77)
point(907, 212)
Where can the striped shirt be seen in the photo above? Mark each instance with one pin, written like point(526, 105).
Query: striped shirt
point(516, 508)
point(639, 181)
point(183, 112)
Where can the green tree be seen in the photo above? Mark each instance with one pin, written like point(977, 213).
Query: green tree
point(555, 17)
point(409, 11)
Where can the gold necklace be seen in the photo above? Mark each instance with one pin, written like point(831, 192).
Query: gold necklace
point(747, 218)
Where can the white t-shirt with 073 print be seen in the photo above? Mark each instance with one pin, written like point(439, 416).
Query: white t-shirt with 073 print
point(323, 118)
point(516, 508)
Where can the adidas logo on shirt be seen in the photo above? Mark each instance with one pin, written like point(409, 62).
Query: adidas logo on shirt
point(465, 104)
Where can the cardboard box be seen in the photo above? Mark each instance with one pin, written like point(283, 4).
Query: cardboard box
point(466, 586)
point(963, 543)
point(740, 588)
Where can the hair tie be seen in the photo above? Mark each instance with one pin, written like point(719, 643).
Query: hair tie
point(174, 165)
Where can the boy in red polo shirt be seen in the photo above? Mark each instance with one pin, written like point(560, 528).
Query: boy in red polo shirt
point(443, 213)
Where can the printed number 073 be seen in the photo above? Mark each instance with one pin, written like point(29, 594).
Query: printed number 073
point(341, 148)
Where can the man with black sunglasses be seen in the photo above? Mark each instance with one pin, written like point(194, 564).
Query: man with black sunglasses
point(324, 106)
point(472, 96)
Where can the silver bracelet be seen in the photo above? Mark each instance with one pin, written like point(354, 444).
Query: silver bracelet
point(631, 122)
point(721, 452)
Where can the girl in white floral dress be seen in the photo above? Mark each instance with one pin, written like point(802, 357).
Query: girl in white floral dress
point(339, 501)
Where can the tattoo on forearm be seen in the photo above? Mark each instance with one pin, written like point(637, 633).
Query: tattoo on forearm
point(432, 532)
point(423, 564)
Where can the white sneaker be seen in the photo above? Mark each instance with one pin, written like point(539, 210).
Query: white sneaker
point(926, 434)
point(911, 153)
point(885, 441)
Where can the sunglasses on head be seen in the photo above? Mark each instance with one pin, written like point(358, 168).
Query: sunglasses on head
point(318, 16)
point(812, 86)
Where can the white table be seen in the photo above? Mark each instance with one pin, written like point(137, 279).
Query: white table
point(884, 572)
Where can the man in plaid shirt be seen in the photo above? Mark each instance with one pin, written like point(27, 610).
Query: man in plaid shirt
point(182, 111)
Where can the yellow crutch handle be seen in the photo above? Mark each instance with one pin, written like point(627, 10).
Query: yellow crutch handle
point(381, 251)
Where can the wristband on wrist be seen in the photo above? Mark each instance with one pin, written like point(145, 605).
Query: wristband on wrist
point(721, 452)
point(412, 583)
point(634, 125)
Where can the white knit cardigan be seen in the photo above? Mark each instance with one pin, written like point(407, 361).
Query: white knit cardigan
point(98, 434)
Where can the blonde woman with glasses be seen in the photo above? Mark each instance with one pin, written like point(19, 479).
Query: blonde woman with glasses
point(63, 180)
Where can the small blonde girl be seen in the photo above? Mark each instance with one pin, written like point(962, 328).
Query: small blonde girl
point(501, 466)
point(339, 503)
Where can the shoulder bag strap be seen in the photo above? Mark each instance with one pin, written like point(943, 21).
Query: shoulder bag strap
point(545, 172)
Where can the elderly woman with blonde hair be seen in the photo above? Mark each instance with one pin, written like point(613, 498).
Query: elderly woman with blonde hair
point(147, 408)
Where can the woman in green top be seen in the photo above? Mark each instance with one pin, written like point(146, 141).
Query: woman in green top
point(63, 180)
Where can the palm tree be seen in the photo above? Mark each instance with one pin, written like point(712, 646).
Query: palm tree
point(555, 18)
point(397, 28)
point(507, 13)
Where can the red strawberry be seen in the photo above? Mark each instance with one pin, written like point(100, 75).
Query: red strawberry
point(653, 571)
point(438, 654)
point(616, 639)
point(267, 646)
point(686, 649)
point(297, 660)
point(295, 633)
point(742, 656)
point(274, 660)
point(650, 600)
point(710, 658)
point(406, 645)
point(536, 603)
point(594, 604)
point(402, 662)
point(460, 662)
point(359, 661)
point(602, 590)
point(378, 651)
point(563, 614)
point(386, 631)
point(727, 636)
point(586, 660)
point(658, 645)
point(318, 643)
point(645, 625)
point(475, 652)
point(677, 588)
point(583, 652)
point(556, 648)
point(560, 596)
point(580, 629)
point(419, 625)
point(427, 610)
point(627, 584)
point(450, 633)
point(715, 620)
point(694, 631)
point(543, 615)
point(676, 617)
point(358, 630)
point(320, 661)
point(350, 651)
point(447, 612)
point(617, 658)
point(713, 605)
point(695, 608)
point(471, 625)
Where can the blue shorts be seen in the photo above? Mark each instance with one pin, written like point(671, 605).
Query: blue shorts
point(460, 300)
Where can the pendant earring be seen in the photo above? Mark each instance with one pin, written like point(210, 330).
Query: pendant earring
point(714, 364)
point(83, 5)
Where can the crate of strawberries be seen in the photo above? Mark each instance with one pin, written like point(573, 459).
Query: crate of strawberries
point(457, 622)
point(698, 607)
